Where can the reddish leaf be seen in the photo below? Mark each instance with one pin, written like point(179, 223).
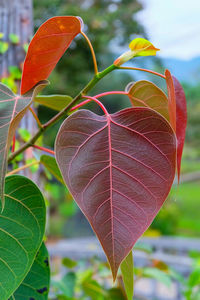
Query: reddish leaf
point(46, 48)
point(119, 169)
point(171, 98)
point(145, 93)
point(181, 120)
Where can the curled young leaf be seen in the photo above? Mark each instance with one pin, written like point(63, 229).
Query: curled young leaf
point(142, 47)
point(119, 169)
point(47, 47)
point(146, 94)
point(13, 108)
point(178, 113)
point(171, 99)
point(181, 120)
point(138, 47)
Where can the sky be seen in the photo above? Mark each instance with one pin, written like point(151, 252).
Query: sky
point(173, 26)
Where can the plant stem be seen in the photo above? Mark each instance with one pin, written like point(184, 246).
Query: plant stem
point(44, 149)
point(89, 98)
point(111, 93)
point(144, 70)
point(35, 117)
point(96, 97)
point(92, 52)
point(63, 112)
point(23, 167)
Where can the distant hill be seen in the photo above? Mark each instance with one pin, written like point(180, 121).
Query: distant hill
point(184, 70)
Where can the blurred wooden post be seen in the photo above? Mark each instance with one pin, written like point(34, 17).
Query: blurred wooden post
point(16, 16)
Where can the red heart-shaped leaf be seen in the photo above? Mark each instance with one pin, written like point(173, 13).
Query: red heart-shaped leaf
point(119, 169)
point(181, 120)
point(47, 47)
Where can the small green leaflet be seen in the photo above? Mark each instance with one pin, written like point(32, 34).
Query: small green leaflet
point(158, 275)
point(36, 284)
point(3, 47)
point(14, 38)
point(22, 226)
point(65, 286)
point(56, 102)
point(69, 263)
point(50, 163)
point(12, 109)
point(128, 275)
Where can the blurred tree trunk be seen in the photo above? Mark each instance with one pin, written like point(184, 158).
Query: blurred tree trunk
point(16, 17)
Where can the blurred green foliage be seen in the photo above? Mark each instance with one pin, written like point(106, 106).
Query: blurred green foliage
point(193, 101)
point(108, 23)
point(91, 279)
point(180, 213)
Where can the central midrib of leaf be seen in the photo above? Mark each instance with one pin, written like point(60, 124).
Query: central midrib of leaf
point(111, 182)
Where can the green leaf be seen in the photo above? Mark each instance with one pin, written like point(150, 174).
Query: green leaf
point(69, 263)
point(1, 35)
point(93, 289)
point(50, 163)
point(15, 72)
point(194, 278)
point(128, 275)
point(115, 294)
point(158, 275)
point(66, 285)
point(22, 226)
point(63, 297)
point(36, 283)
point(12, 109)
point(10, 82)
point(3, 47)
point(25, 46)
point(143, 247)
point(56, 102)
point(14, 38)
point(24, 134)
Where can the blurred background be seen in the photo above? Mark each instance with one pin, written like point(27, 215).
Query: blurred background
point(174, 27)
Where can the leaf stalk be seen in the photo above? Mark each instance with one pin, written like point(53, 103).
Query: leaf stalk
point(92, 52)
point(143, 70)
point(63, 112)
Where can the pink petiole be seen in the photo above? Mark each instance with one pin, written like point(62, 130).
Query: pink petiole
point(89, 99)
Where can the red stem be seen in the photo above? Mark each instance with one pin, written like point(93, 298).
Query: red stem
point(13, 145)
point(144, 70)
point(44, 149)
point(89, 99)
point(111, 93)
